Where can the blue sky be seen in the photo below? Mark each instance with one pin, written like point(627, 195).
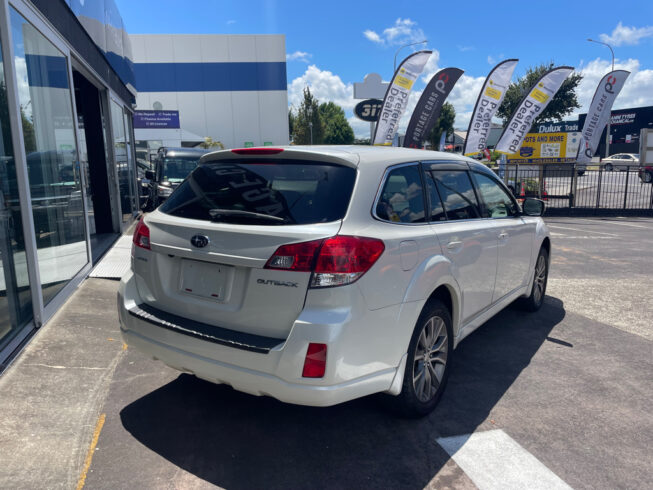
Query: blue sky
point(332, 44)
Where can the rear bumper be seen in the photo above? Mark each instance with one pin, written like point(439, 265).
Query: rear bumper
point(276, 373)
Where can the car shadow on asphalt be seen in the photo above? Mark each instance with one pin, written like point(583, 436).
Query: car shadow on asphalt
point(236, 440)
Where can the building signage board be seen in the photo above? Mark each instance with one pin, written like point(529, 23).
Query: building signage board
point(156, 119)
point(547, 148)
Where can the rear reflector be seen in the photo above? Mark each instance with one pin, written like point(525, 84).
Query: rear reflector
point(142, 235)
point(335, 261)
point(257, 151)
point(315, 362)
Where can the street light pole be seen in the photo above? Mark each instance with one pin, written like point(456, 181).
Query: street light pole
point(607, 135)
point(402, 47)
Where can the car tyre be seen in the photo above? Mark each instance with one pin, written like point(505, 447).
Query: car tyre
point(428, 361)
point(647, 178)
point(534, 301)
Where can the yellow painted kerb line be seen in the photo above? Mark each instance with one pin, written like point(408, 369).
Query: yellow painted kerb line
point(91, 450)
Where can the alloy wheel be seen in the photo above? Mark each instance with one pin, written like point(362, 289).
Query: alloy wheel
point(540, 279)
point(430, 358)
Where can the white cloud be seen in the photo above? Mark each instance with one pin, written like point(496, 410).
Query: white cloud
point(403, 31)
point(624, 35)
point(324, 85)
point(299, 56)
point(636, 91)
point(465, 48)
point(494, 60)
point(372, 36)
point(23, 85)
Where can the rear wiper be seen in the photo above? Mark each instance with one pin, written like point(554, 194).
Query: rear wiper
point(216, 213)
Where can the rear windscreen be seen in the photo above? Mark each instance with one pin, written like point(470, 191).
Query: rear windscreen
point(265, 193)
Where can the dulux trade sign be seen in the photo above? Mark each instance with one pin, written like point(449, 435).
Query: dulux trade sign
point(396, 97)
point(599, 112)
point(427, 110)
point(531, 106)
point(488, 102)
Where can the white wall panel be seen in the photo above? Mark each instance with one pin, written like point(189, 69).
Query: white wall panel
point(215, 49)
point(274, 127)
point(138, 48)
point(242, 48)
point(159, 48)
point(219, 118)
point(192, 112)
point(270, 48)
point(187, 49)
point(246, 118)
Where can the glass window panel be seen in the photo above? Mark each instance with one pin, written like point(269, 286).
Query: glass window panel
point(497, 202)
point(457, 194)
point(121, 148)
point(52, 166)
point(15, 297)
point(437, 211)
point(402, 199)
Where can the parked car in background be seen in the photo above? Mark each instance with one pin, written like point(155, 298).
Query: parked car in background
point(317, 275)
point(171, 166)
point(620, 161)
point(646, 174)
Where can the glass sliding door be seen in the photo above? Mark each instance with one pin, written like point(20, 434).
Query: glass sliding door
point(15, 297)
point(52, 164)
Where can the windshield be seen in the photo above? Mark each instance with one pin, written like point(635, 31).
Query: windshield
point(266, 193)
point(176, 169)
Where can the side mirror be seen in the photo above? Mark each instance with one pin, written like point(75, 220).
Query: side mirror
point(533, 207)
point(149, 174)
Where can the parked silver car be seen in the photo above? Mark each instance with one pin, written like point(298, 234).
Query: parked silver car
point(620, 161)
point(321, 274)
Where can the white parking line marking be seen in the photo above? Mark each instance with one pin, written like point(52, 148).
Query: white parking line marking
point(493, 460)
point(582, 231)
point(615, 222)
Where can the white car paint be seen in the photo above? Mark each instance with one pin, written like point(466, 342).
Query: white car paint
point(366, 325)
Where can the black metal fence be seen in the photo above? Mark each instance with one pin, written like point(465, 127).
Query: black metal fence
point(570, 186)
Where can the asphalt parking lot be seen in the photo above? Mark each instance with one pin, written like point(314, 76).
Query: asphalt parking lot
point(564, 395)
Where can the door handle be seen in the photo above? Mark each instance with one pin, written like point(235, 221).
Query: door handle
point(452, 245)
point(503, 235)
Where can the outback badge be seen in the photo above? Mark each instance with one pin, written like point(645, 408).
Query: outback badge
point(199, 241)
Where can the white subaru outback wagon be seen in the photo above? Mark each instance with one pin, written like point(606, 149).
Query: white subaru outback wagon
point(317, 275)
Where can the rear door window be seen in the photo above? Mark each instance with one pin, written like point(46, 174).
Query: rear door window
point(264, 193)
point(457, 192)
point(402, 197)
point(437, 211)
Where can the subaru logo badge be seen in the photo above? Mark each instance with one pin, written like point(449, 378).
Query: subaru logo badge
point(199, 241)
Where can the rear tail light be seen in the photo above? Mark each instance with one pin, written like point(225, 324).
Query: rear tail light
point(335, 261)
point(142, 235)
point(315, 361)
point(295, 257)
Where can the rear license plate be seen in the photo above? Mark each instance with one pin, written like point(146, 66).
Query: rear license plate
point(206, 280)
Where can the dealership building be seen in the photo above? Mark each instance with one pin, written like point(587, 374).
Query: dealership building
point(67, 161)
point(231, 88)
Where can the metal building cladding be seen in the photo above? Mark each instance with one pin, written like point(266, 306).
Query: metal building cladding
point(231, 88)
point(67, 162)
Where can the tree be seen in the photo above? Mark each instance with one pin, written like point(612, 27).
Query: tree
point(211, 143)
point(291, 123)
point(337, 130)
point(563, 103)
point(443, 124)
point(308, 112)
